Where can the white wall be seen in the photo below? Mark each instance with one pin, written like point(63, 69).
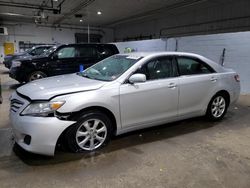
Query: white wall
point(237, 54)
point(32, 33)
point(143, 45)
point(237, 47)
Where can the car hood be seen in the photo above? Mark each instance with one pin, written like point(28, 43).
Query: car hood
point(29, 58)
point(16, 54)
point(23, 57)
point(47, 88)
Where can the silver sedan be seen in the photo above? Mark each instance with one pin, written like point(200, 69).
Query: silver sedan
point(123, 93)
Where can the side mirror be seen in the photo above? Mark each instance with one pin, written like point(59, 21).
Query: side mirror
point(54, 56)
point(137, 78)
point(103, 55)
point(32, 53)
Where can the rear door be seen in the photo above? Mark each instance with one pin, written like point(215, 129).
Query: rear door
point(87, 56)
point(197, 82)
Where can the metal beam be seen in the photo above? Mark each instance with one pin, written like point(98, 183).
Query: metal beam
point(76, 9)
point(155, 12)
point(30, 6)
point(198, 25)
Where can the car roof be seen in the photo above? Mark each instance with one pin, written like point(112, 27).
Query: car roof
point(145, 54)
point(45, 45)
point(214, 65)
point(83, 44)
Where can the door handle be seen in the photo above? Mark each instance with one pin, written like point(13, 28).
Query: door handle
point(172, 85)
point(213, 79)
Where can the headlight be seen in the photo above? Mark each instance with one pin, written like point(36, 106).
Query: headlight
point(42, 108)
point(16, 64)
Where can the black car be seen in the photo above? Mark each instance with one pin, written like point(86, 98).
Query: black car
point(34, 51)
point(59, 60)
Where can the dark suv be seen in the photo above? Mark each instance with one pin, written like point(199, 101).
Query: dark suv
point(59, 60)
point(36, 50)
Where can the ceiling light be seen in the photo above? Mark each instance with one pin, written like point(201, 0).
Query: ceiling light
point(81, 20)
point(99, 12)
point(55, 0)
point(11, 14)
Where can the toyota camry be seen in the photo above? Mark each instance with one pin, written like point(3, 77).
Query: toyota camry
point(122, 93)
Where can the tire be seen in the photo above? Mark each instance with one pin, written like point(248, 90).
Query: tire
point(217, 107)
point(36, 75)
point(83, 136)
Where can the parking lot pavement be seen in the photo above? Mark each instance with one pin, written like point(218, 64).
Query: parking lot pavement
point(8, 86)
point(191, 153)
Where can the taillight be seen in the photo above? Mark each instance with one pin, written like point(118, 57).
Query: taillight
point(237, 78)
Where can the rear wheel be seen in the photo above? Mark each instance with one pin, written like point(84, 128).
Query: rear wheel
point(91, 132)
point(217, 107)
point(36, 75)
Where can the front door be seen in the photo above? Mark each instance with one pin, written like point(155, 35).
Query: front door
point(65, 61)
point(153, 101)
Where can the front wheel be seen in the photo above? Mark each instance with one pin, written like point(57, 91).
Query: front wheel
point(217, 107)
point(36, 75)
point(91, 132)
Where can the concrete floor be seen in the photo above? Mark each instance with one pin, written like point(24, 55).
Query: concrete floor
point(191, 153)
point(8, 86)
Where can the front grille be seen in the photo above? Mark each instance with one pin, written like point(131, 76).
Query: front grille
point(7, 58)
point(15, 105)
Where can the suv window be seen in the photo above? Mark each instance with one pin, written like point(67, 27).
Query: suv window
point(105, 51)
point(87, 51)
point(158, 68)
point(67, 52)
point(189, 66)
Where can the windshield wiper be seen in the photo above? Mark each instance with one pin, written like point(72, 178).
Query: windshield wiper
point(83, 75)
point(87, 76)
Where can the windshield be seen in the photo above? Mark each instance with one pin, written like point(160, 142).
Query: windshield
point(30, 50)
point(111, 68)
point(49, 51)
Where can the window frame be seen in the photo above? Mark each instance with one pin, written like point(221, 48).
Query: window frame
point(212, 71)
point(173, 64)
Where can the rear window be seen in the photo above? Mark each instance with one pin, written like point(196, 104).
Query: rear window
point(190, 66)
point(107, 50)
point(87, 51)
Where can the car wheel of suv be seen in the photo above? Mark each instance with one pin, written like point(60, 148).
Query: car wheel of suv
point(217, 107)
point(91, 132)
point(36, 75)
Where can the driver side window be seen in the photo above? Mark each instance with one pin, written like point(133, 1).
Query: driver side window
point(158, 68)
point(67, 52)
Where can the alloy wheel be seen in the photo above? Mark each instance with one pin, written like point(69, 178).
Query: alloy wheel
point(218, 106)
point(36, 76)
point(91, 134)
